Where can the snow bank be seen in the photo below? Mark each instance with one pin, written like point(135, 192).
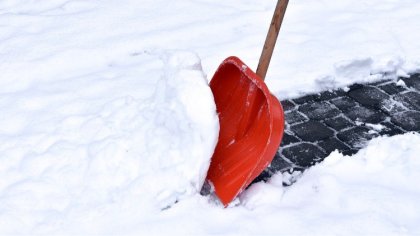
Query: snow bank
point(373, 192)
point(376, 191)
point(86, 150)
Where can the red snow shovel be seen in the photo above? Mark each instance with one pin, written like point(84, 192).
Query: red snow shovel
point(251, 119)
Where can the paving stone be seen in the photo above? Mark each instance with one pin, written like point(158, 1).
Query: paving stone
point(390, 106)
point(331, 144)
point(328, 95)
point(287, 105)
point(339, 123)
point(305, 99)
point(319, 110)
point(390, 129)
point(293, 117)
point(344, 103)
point(279, 164)
point(408, 120)
point(264, 176)
point(312, 131)
point(288, 139)
point(391, 88)
point(366, 115)
point(368, 96)
point(410, 99)
point(304, 154)
point(413, 81)
point(355, 86)
point(317, 124)
point(356, 137)
point(350, 152)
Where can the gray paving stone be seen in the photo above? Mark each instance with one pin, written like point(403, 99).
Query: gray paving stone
point(350, 152)
point(304, 154)
point(331, 144)
point(264, 176)
point(368, 96)
point(409, 99)
point(339, 123)
point(344, 103)
point(317, 124)
point(293, 117)
point(356, 137)
point(413, 81)
point(287, 105)
point(391, 88)
point(312, 131)
point(390, 129)
point(408, 120)
point(355, 86)
point(366, 115)
point(390, 106)
point(319, 110)
point(279, 164)
point(328, 95)
point(288, 139)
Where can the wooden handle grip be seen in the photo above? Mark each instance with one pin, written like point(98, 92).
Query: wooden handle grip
point(271, 38)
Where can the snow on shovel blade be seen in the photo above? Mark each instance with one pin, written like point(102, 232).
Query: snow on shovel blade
point(251, 128)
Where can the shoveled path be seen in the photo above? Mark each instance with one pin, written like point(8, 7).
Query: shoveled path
point(317, 124)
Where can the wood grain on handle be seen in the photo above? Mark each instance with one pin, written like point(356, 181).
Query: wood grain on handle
point(271, 38)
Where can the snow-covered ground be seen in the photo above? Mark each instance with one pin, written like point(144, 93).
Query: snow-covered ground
point(106, 119)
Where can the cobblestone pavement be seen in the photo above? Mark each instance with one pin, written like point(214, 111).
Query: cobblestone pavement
point(317, 124)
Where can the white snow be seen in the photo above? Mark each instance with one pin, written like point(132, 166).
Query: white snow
point(80, 150)
point(106, 119)
point(401, 83)
point(375, 192)
point(376, 127)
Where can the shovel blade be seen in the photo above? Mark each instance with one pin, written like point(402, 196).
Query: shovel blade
point(251, 128)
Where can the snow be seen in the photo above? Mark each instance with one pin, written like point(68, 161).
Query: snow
point(376, 127)
point(137, 135)
point(401, 83)
point(107, 124)
point(375, 191)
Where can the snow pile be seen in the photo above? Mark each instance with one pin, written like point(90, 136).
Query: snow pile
point(376, 191)
point(105, 143)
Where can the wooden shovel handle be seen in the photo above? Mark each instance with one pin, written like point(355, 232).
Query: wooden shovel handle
point(270, 40)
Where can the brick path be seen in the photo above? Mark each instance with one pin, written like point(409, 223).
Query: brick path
point(318, 124)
